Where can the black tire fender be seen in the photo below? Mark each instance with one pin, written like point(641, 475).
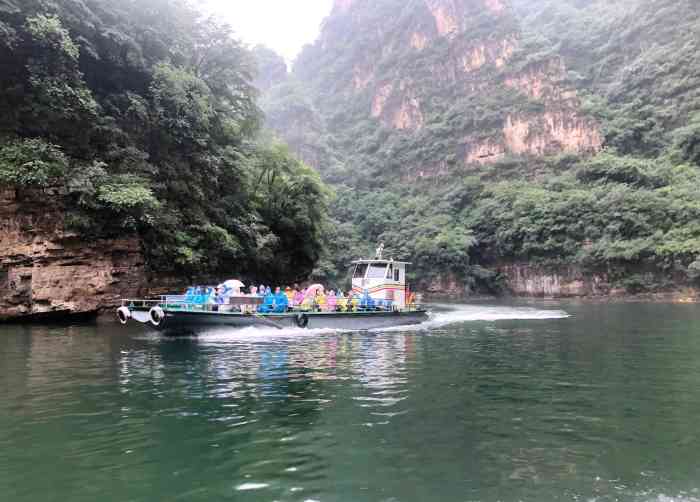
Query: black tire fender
point(123, 315)
point(157, 316)
point(302, 320)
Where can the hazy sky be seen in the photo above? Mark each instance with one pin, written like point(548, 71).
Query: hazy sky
point(283, 25)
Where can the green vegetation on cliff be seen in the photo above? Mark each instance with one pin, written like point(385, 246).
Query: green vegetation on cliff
point(470, 133)
point(144, 115)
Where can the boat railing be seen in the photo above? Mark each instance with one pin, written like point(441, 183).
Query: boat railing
point(167, 302)
point(185, 303)
point(174, 299)
point(143, 303)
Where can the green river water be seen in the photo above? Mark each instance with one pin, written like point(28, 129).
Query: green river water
point(483, 403)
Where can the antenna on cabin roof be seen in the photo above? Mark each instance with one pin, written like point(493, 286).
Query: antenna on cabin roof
point(379, 252)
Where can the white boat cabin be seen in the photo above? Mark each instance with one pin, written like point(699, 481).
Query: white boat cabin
point(382, 279)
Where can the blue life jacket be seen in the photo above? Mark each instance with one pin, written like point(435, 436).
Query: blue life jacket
point(281, 302)
point(268, 304)
point(189, 295)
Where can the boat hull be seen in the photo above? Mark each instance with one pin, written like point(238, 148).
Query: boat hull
point(190, 320)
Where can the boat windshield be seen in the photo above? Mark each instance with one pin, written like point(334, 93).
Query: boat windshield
point(376, 271)
point(360, 270)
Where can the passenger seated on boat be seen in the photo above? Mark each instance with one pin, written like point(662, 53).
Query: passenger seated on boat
point(268, 304)
point(189, 295)
point(221, 296)
point(217, 298)
point(211, 296)
point(341, 305)
point(202, 297)
point(298, 298)
point(281, 301)
point(199, 297)
point(331, 302)
point(367, 302)
point(320, 301)
point(353, 302)
point(289, 293)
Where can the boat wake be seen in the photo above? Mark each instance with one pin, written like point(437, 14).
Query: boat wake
point(464, 313)
point(446, 315)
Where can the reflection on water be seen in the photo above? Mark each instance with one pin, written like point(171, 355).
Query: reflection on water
point(480, 403)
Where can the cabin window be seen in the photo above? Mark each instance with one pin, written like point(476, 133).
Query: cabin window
point(360, 270)
point(396, 275)
point(376, 271)
point(390, 272)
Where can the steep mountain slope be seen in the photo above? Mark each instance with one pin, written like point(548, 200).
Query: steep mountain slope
point(548, 147)
point(637, 60)
point(449, 74)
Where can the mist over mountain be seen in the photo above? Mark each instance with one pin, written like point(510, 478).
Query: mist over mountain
point(546, 147)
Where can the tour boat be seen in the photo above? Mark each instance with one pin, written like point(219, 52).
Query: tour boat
point(379, 286)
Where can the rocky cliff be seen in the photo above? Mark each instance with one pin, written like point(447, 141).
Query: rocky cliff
point(416, 68)
point(47, 271)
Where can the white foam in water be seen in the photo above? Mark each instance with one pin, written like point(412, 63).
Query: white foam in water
point(456, 314)
point(223, 334)
point(463, 313)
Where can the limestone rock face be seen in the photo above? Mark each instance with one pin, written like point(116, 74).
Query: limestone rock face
point(528, 280)
point(412, 72)
point(45, 270)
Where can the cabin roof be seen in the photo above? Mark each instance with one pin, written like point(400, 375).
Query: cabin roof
point(385, 262)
